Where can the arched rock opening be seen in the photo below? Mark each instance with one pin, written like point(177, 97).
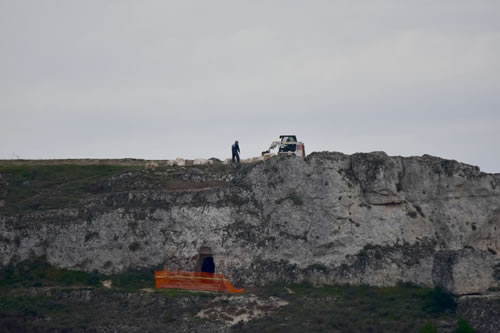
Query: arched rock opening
point(205, 261)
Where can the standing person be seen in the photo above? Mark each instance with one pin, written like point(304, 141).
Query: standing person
point(236, 151)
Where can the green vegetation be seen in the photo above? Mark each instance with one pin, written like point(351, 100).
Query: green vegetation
point(440, 300)
point(41, 274)
point(334, 308)
point(54, 186)
point(429, 327)
point(134, 280)
point(34, 187)
point(464, 327)
point(356, 309)
point(35, 296)
point(27, 305)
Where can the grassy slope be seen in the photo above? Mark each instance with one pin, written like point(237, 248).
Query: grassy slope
point(33, 186)
point(42, 187)
point(357, 309)
point(328, 308)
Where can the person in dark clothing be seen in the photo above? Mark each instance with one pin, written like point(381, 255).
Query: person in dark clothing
point(236, 151)
point(208, 265)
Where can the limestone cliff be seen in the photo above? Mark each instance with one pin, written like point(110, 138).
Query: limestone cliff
point(330, 218)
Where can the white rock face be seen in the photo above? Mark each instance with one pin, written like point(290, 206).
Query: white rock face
point(200, 161)
point(330, 218)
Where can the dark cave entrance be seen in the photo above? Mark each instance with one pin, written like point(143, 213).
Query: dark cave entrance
point(205, 261)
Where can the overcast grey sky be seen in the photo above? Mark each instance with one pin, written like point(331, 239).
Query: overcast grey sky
point(179, 78)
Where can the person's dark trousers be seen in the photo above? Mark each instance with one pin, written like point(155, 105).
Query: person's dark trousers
point(237, 157)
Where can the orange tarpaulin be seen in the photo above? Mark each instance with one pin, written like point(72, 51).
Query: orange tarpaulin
point(194, 281)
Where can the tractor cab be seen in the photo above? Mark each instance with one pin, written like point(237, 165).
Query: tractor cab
point(288, 143)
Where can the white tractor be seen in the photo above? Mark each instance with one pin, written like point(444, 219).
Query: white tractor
point(288, 144)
